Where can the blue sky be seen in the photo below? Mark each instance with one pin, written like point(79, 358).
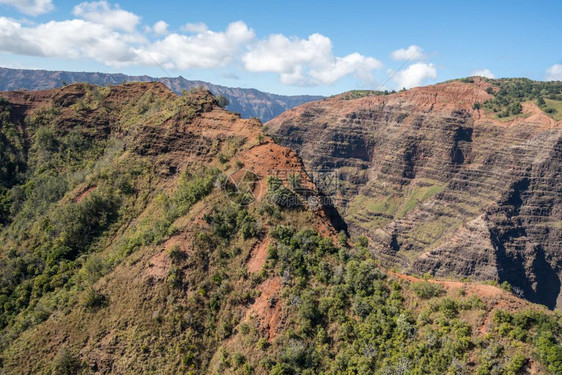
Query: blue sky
point(288, 47)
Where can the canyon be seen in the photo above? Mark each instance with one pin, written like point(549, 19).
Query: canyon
point(143, 231)
point(440, 185)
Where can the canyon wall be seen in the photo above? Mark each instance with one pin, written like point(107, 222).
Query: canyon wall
point(439, 185)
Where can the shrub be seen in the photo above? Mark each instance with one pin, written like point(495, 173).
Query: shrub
point(363, 242)
point(506, 286)
point(227, 222)
point(94, 299)
point(262, 344)
point(244, 328)
point(248, 225)
point(427, 290)
point(449, 308)
point(238, 359)
point(283, 233)
point(280, 195)
point(540, 101)
point(342, 239)
point(66, 363)
point(222, 101)
point(174, 277)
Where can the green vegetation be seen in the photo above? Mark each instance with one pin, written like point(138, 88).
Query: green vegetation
point(356, 94)
point(44, 239)
point(66, 363)
point(511, 93)
point(112, 260)
point(372, 329)
point(222, 101)
point(419, 195)
point(533, 327)
point(553, 107)
point(380, 210)
point(427, 290)
point(64, 193)
point(281, 195)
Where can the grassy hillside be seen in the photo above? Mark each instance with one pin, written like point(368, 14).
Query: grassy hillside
point(144, 232)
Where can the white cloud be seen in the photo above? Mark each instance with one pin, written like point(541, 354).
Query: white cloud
point(208, 49)
point(483, 73)
point(31, 7)
point(415, 75)
point(79, 39)
point(282, 55)
point(355, 63)
point(101, 12)
point(160, 28)
point(67, 39)
point(106, 33)
point(411, 53)
point(554, 73)
point(199, 27)
point(306, 62)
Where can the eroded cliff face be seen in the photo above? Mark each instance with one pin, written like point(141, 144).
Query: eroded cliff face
point(441, 187)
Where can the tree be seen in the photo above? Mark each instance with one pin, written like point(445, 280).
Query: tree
point(222, 101)
point(540, 101)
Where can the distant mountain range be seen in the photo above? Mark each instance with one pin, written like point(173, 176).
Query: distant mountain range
point(247, 102)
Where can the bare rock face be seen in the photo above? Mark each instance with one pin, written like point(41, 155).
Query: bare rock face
point(441, 187)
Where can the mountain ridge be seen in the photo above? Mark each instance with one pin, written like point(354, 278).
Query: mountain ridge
point(246, 101)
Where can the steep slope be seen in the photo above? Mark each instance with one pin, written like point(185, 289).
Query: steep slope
point(145, 232)
point(440, 183)
point(248, 102)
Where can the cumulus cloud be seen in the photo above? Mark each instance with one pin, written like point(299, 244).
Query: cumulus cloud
point(207, 49)
point(100, 12)
point(106, 33)
point(483, 73)
point(554, 73)
point(411, 53)
point(66, 39)
point(306, 62)
point(99, 40)
point(160, 28)
point(31, 7)
point(199, 27)
point(415, 75)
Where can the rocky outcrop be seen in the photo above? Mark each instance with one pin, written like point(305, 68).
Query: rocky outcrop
point(248, 102)
point(441, 187)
